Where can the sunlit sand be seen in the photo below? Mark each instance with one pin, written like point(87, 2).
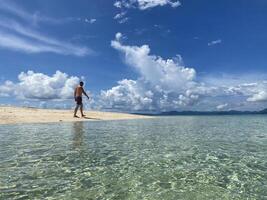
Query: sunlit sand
point(16, 115)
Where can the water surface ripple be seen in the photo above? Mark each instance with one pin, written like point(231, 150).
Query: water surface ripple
point(191, 157)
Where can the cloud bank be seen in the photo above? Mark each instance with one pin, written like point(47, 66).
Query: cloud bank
point(166, 84)
point(163, 84)
point(255, 92)
point(39, 86)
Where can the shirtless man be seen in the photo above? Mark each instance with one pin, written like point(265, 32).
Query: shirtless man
point(78, 98)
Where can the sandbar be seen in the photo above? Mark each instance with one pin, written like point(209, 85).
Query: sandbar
point(20, 115)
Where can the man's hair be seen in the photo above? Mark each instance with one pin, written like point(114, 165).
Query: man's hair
point(81, 83)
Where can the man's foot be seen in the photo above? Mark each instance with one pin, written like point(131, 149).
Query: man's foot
point(83, 115)
point(76, 116)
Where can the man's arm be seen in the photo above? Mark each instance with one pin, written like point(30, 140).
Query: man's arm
point(85, 94)
point(75, 92)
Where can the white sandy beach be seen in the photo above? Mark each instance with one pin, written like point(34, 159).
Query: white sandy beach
point(16, 115)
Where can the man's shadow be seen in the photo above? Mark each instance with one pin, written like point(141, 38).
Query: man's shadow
point(85, 117)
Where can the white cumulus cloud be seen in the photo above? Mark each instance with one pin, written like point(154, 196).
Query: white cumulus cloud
point(254, 92)
point(163, 84)
point(121, 18)
point(222, 106)
point(90, 21)
point(215, 42)
point(120, 15)
point(167, 84)
point(6, 89)
point(145, 4)
point(141, 5)
point(259, 96)
point(39, 86)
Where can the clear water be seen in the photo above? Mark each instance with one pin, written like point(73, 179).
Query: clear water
point(214, 157)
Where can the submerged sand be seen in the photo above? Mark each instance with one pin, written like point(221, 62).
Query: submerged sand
point(18, 115)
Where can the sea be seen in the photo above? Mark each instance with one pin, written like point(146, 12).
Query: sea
point(163, 158)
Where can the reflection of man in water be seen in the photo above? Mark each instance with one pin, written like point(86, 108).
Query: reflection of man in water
point(78, 131)
point(78, 98)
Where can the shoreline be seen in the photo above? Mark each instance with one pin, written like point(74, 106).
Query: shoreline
point(21, 115)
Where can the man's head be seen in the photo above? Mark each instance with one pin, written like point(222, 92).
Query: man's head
point(81, 83)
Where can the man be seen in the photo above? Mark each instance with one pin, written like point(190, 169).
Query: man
point(78, 98)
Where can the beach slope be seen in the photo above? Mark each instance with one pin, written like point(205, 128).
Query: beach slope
point(18, 115)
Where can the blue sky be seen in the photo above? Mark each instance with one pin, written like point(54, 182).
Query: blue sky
point(199, 55)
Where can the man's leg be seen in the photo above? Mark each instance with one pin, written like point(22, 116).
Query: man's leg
point(75, 111)
point(81, 108)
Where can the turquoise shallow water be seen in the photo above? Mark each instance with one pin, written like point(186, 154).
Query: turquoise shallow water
point(199, 157)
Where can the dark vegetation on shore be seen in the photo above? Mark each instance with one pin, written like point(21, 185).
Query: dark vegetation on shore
point(230, 112)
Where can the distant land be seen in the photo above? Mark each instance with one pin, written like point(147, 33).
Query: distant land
point(230, 112)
